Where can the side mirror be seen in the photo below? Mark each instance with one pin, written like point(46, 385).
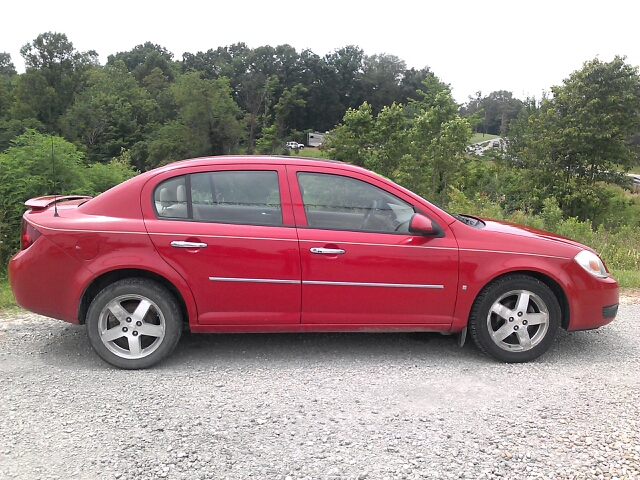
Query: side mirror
point(421, 225)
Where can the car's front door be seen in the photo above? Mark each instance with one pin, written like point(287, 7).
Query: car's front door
point(229, 232)
point(360, 264)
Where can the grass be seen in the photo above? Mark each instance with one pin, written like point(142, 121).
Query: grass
point(6, 296)
point(481, 137)
point(627, 278)
point(309, 152)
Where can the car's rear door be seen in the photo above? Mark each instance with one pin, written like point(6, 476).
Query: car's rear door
point(360, 265)
point(229, 231)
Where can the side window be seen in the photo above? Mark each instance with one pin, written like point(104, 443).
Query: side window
point(335, 202)
point(242, 197)
point(170, 198)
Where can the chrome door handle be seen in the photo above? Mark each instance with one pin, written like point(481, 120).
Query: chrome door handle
point(327, 251)
point(181, 244)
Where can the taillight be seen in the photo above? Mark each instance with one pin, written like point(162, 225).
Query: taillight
point(29, 235)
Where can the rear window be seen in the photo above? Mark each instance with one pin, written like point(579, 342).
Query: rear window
point(240, 197)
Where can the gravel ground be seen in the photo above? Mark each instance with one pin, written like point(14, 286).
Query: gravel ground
point(319, 406)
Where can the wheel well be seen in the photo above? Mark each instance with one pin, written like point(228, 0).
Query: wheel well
point(110, 277)
point(549, 282)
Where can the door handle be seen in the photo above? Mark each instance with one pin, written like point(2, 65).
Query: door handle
point(327, 251)
point(181, 244)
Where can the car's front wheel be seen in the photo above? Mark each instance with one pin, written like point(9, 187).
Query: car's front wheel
point(515, 318)
point(134, 323)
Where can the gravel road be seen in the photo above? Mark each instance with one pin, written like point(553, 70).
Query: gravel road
point(319, 406)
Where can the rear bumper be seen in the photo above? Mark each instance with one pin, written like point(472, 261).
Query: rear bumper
point(46, 280)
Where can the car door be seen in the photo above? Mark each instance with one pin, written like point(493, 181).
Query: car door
point(360, 264)
point(229, 232)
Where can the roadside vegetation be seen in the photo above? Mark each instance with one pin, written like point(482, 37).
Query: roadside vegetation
point(481, 138)
point(561, 164)
point(6, 297)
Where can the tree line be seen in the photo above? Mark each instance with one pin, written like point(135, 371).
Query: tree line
point(225, 100)
point(572, 147)
point(567, 151)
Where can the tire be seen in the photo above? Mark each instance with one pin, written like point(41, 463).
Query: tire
point(134, 323)
point(515, 319)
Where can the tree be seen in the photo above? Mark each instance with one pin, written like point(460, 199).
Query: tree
point(26, 172)
point(7, 72)
point(381, 77)
point(439, 137)
point(420, 145)
point(323, 108)
point(350, 141)
point(207, 122)
point(6, 65)
point(346, 64)
point(495, 111)
point(112, 114)
point(55, 74)
point(143, 59)
point(579, 137)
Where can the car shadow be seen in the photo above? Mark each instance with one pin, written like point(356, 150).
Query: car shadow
point(318, 348)
point(68, 344)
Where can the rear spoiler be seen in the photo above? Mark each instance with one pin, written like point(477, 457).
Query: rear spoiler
point(42, 203)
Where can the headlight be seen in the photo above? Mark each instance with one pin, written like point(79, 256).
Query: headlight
point(591, 263)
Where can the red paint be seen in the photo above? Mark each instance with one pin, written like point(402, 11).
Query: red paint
point(259, 278)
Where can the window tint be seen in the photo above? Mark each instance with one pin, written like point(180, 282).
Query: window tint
point(341, 203)
point(246, 197)
point(171, 198)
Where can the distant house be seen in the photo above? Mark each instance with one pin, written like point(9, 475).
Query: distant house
point(315, 139)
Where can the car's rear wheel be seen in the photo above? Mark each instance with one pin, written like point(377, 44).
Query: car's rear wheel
point(134, 323)
point(515, 318)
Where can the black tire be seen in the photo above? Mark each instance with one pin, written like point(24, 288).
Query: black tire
point(515, 319)
point(134, 323)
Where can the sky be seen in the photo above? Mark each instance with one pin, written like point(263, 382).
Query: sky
point(521, 46)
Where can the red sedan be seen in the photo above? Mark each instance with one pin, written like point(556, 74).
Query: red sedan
point(266, 244)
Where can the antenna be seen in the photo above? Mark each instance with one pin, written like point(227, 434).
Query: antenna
point(53, 168)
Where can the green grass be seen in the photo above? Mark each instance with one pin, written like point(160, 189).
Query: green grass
point(481, 137)
point(309, 152)
point(6, 296)
point(627, 278)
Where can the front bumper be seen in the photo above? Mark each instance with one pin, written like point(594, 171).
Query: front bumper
point(593, 302)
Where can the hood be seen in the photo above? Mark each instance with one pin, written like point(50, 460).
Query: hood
point(509, 228)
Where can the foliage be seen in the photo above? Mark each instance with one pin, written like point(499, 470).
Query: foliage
point(6, 65)
point(495, 112)
point(26, 171)
point(565, 152)
point(481, 137)
point(626, 278)
point(620, 249)
point(578, 138)
point(146, 60)
point(6, 295)
point(56, 73)
point(207, 122)
point(112, 114)
point(420, 145)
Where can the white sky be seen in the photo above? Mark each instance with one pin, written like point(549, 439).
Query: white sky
point(523, 46)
